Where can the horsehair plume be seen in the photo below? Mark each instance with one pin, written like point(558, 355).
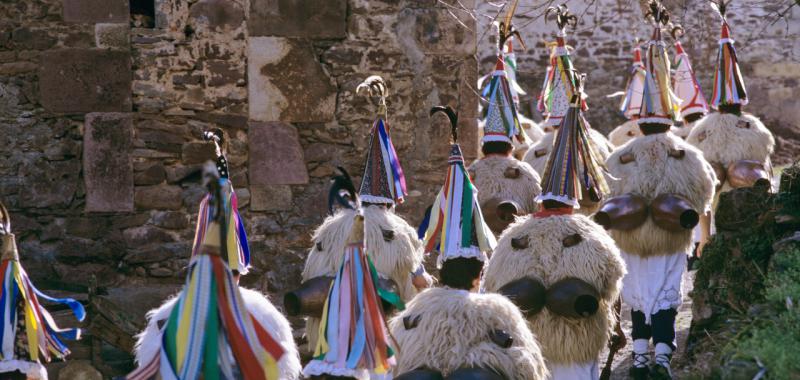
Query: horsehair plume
point(563, 16)
point(720, 7)
point(374, 85)
point(657, 13)
point(214, 134)
point(452, 116)
point(342, 192)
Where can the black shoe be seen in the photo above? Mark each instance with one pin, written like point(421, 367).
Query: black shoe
point(659, 372)
point(639, 373)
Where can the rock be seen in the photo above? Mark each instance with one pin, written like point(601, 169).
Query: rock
point(318, 19)
point(171, 220)
point(286, 82)
point(271, 198)
point(140, 236)
point(435, 31)
point(159, 197)
point(179, 173)
point(159, 253)
point(161, 272)
point(276, 157)
point(16, 68)
point(112, 36)
point(98, 80)
point(48, 184)
point(87, 228)
point(79, 370)
point(107, 166)
point(153, 175)
point(217, 13)
point(197, 152)
point(223, 73)
point(94, 11)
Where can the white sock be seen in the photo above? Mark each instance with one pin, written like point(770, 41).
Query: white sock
point(663, 355)
point(641, 353)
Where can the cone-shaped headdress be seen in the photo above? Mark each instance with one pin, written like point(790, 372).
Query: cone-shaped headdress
point(659, 103)
point(557, 91)
point(353, 340)
point(238, 258)
point(632, 102)
point(383, 181)
point(574, 170)
point(502, 121)
point(210, 332)
point(456, 224)
point(684, 82)
point(729, 87)
point(42, 339)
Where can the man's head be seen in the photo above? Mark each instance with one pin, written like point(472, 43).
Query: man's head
point(461, 273)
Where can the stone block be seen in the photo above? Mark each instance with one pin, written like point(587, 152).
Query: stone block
point(152, 175)
point(298, 18)
point(79, 369)
point(271, 198)
point(276, 157)
point(286, 82)
point(96, 11)
point(85, 80)
point(197, 152)
point(160, 197)
point(48, 184)
point(217, 13)
point(112, 36)
point(435, 31)
point(107, 165)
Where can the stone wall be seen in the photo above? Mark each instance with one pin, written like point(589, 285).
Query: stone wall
point(103, 105)
point(768, 50)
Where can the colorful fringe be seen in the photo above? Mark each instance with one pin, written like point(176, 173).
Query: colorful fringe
point(510, 59)
point(384, 180)
point(574, 164)
point(456, 221)
point(238, 248)
point(558, 86)
point(42, 333)
point(353, 339)
point(632, 102)
point(728, 83)
point(502, 122)
point(209, 322)
point(659, 103)
point(685, 85)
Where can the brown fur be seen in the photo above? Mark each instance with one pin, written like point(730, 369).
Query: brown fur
point(453, 333)
point(653, 172)
point(394, 260)
point(726, 143)
point(487, 174)
point(595, 260)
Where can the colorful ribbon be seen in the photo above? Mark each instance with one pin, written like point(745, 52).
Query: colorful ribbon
point(728, 83)
point(238, 247)
point(502, 120)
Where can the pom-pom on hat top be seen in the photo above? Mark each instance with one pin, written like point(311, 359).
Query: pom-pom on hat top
point(684, 83)
point(729, 89)
point(383, 181)
point(456, 226)
point(632, 101)
point(557, 91)
point(660, 106)
point(574, 169)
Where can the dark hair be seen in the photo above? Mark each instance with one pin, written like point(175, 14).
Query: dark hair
point(735, 109)
point(496, 147)
point(459, 273)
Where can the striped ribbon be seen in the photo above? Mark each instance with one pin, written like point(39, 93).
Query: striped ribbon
point(659, 103)
point(208, 324)
point(502, 120)
point(238, 247)
point(728, 83)
point(559, 85)
point(353, 336)
point(456, 222)
point(44, 336)
point(394, 172)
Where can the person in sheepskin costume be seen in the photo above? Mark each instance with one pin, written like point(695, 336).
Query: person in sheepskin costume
point(554, 103)
point(737, 144)
point(452, 332)
point(29, 333)
point(507, 186)
point(353, 341)
point(242, 333)
point(631, 102)
point(562, 260)
point(395, 249)
point(663, 187)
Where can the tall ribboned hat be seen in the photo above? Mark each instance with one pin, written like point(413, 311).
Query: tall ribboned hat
point(456, 224)
point(383, 181)
point(729, 90)
point(505, 46)
point(502, 121)
point(574, 170)
point(684, 82)
point(210, 331)
point(557, 91)
point(631, 103)
point(660, 106)
point(238, 249)
point(353, 339)
point(43, 338)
